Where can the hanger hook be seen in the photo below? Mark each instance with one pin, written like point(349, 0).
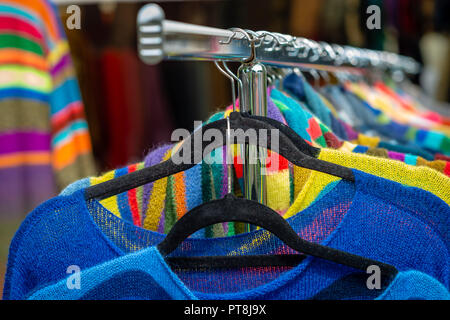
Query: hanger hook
point(252, 44)
point(255, 37)
point(226, 74)
point(340, 54)
point(239, 81)
point(317, 50)
point(316, 77)
point(275, 41)
point(262, 35)
point(228, 41)
point(329, 50)
point(282, 39)
point(303, 43)
point(293, 47)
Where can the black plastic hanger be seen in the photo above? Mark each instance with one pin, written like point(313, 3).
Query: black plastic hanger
point(291, 146)
point(233, 209)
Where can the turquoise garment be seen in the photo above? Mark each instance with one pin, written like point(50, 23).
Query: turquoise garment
point(413, 285)
point(145, 275)
point(293, 114)
point(75, 186)
point(302, 90)
point(142, 275)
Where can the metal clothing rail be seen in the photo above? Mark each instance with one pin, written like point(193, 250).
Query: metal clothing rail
point(160, 39)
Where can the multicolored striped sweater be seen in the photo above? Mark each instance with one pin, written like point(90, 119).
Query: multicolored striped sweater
point(44, 138)
point(359, 114)
point(157, 206)
point(436, 141)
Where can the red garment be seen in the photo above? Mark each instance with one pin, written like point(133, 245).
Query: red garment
point(133, 94)
point(439, 156)
point(159, 123)
point(117, 114)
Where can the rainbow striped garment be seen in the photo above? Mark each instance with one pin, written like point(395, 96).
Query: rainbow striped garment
point(157, 206)
point(44, 138)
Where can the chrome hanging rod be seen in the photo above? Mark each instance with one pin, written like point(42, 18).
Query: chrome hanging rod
point(160, 39)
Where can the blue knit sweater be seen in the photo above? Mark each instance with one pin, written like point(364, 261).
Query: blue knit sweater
point(373, 217)
point(145, 275)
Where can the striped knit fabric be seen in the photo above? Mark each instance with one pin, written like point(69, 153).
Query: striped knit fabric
point(44, 138)
point(313, 130)
point(411, 113)
point(157, 206)
point(358, 114)
point(436, 140)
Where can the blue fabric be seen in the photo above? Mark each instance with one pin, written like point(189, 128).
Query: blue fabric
point(140, 275)
point(366, 118)
point(303, 91)
point(75, 186)
point(338, 129)
point(23, 94)
point(293, 84)
point(413, 285)
point(60, 97)
point(373, 217)
point(407, 149)
point(360, 149)
point(145, 275)
point(390, 130)
point(343, 107)
point(294, 115)
point(354, 111)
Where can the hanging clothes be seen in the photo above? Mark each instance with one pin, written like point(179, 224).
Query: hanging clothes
point(44, 138)
point(156, 283)
point(162, 203)
point(92, 235)
point(394, 208)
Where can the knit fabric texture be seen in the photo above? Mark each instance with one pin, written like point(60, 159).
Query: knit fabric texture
point(381, 110)
point(300, 120)
point(311, 183)
point(157, 206)
point(44, 138)
point(413, 285)
point(144, 275)
point(373, 217)
point(360, 112)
